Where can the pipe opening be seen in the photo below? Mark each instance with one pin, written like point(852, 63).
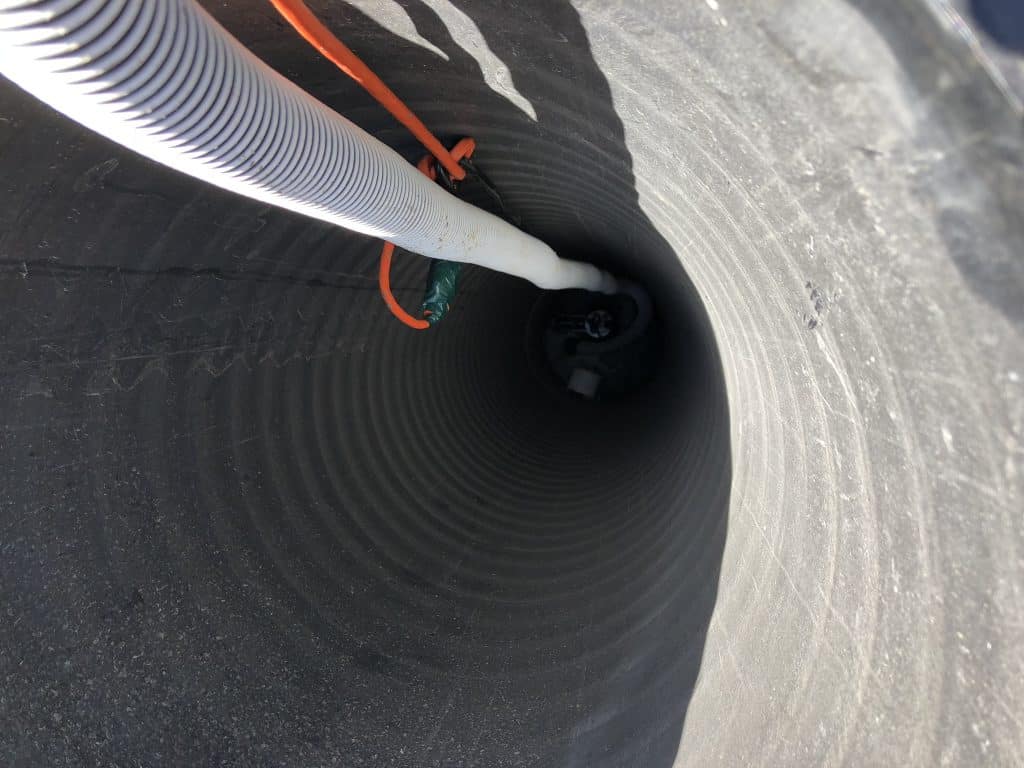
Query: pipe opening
point(248, 518)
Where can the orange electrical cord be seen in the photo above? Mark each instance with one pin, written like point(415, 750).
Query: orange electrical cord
point(320, 37)
point(463, 148)
point(384, 280)
point(316, 34)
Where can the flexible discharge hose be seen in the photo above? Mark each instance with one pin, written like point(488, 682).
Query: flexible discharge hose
point(162, 78)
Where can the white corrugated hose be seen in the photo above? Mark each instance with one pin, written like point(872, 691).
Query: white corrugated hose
point(162, 78)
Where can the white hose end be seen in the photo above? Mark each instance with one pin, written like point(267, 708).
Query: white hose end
point(609, 284)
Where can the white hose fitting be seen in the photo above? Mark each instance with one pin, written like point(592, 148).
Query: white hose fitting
point(162, 78)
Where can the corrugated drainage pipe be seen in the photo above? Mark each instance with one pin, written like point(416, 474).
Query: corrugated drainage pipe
point(246, 519)
point(164, 79)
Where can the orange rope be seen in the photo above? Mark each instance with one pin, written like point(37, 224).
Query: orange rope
point(316, 34)
point(320, 37)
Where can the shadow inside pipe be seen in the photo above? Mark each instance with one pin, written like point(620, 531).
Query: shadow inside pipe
point(271, 526)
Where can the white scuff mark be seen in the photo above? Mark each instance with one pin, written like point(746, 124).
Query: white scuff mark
point(1012, 451)
point(947, 438)
point(712, 4)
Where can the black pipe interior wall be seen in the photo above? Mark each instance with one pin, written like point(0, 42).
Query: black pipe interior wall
point(267, 507)
point(250, 519)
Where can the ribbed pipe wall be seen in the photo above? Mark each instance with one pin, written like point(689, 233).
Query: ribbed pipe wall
point(164, 80)
point(248, 519)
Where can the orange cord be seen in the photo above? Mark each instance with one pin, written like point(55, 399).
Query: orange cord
point(316, 34)
point(385, 290)
point(464, 148)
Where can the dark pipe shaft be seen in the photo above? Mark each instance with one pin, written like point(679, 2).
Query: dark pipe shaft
point(247, 519)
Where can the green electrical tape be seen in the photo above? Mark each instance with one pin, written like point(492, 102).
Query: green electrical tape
point(442, 282)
